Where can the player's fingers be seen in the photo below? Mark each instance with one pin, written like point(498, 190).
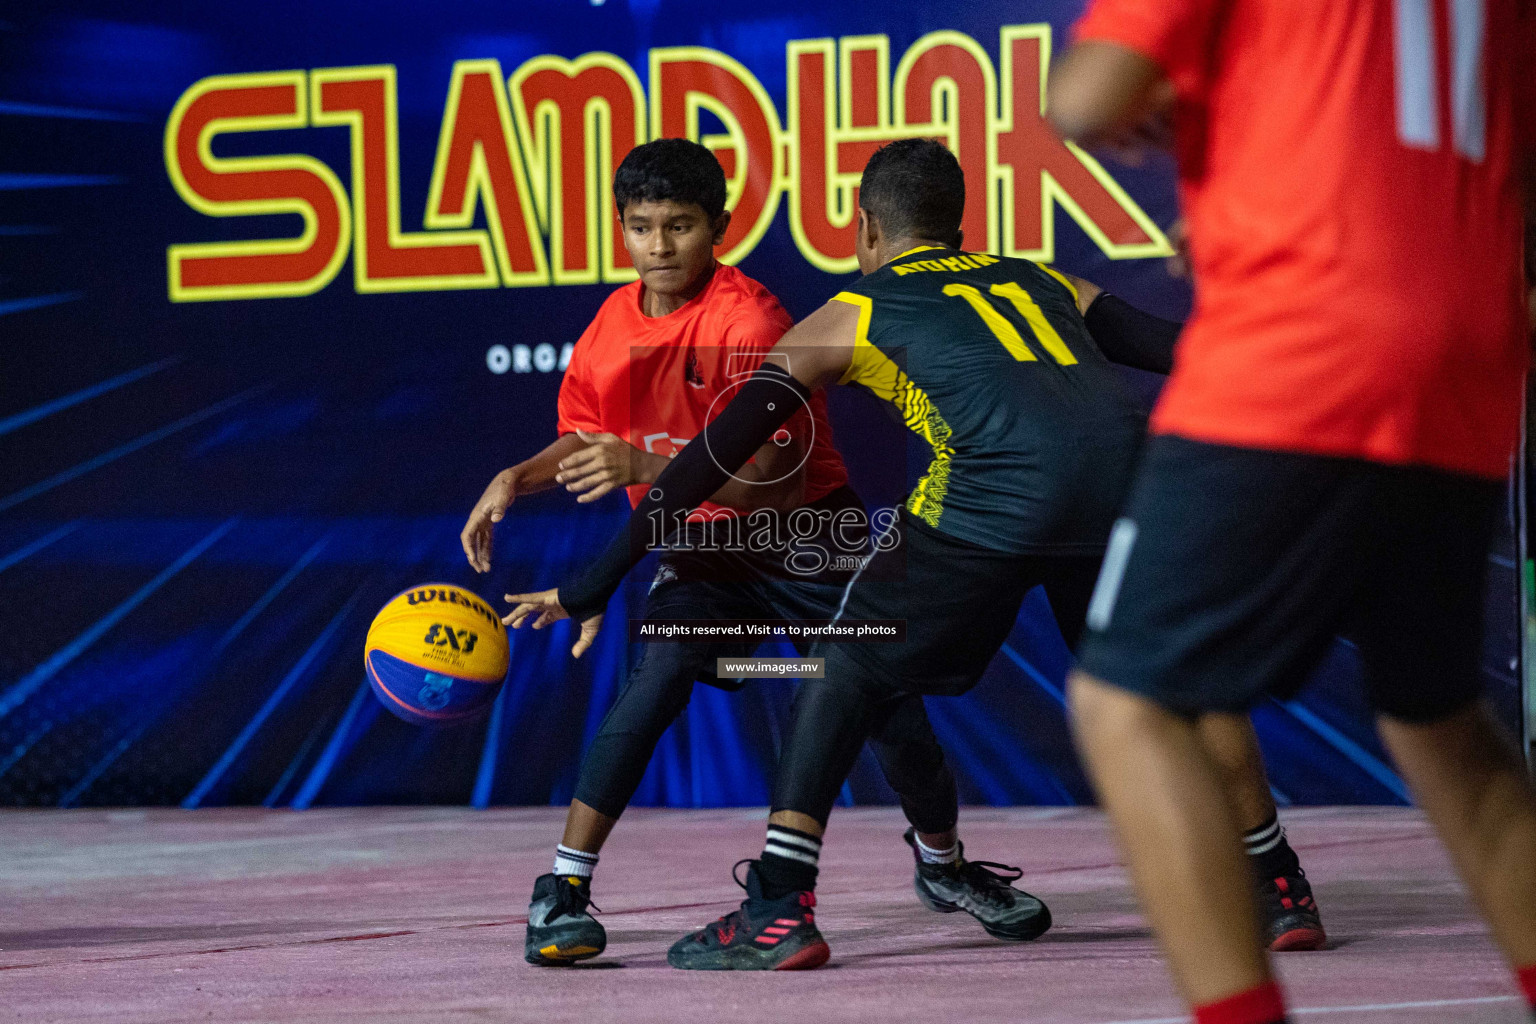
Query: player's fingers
point(537, 597)
point(597, 492)
point(476, 547)
point(516, 616)
point(526, 612)
point(587, 480)
point(588, 636)
point(578, 461)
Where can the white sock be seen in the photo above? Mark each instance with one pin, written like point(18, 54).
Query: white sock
point(574, 862)
point(929, 855)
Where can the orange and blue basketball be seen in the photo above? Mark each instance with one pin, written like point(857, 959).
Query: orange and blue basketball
point(436, 655)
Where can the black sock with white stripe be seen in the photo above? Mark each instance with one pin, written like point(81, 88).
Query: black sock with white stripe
point(569, 862)
point(1271, 855)
point(788, 863)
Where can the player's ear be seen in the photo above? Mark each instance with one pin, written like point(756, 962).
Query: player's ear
point(721, 223)
point(869, 229)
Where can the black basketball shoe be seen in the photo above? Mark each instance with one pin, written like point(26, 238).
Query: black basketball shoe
point(764, 935)
point(1291, 921)
point(980, 888)
point(560, 931)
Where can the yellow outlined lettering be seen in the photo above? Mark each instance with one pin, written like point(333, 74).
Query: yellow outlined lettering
point(556, 101)
point(1020, 139)
point(252, 186)
point(756, 174)
point(520, 258)
point(385, 258)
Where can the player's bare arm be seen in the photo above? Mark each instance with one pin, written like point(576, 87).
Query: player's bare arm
point(773, 479)
point(527, 477)
point(610, 466)
point(816, 352)
point(604, 463)
point(1102, 93)
point(1084, 291)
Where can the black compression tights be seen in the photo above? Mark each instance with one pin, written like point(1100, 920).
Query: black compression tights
point(833, 718)
point(658, 690)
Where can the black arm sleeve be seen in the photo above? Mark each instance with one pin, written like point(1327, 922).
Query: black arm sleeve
point(762, 406)
point(1130, 337)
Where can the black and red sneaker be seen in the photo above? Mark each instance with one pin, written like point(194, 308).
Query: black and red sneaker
point(764, 935)
point(1291, 920)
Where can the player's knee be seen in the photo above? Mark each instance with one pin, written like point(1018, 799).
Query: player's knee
point(912, 767)
point(1104, 713)
point(664, 676)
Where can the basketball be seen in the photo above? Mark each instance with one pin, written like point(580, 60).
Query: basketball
point(436, 655)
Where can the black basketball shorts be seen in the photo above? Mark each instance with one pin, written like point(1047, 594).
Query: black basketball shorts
point(1232, 570)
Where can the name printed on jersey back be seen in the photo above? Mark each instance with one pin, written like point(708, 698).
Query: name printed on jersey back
point(963, 261)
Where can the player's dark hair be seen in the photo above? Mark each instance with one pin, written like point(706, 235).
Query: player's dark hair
point(670, 170)
point(915, 189)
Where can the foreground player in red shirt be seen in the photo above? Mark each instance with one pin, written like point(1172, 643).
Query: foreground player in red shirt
point(1330, 449)
point(644, 380)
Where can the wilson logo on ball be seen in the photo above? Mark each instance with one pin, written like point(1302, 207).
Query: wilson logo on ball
point(452, 595)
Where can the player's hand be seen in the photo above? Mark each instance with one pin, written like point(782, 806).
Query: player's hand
point(543, 606)
point(493, 504)
point(608, 462)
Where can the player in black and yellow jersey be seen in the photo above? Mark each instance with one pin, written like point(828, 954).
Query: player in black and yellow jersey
point(942, 335)
point(1034, 437)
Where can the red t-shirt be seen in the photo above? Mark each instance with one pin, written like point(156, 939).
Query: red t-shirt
point(1348, 172)
point(655, 381)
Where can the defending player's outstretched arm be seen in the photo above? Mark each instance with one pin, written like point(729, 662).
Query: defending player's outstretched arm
point(814, 353)
point(1130, 337)
point(1125, 334)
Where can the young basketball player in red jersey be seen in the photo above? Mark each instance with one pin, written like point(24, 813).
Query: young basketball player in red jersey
point(642, 381)
point(1329, 454)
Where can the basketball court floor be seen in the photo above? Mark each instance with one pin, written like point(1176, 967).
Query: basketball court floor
point(416, 914)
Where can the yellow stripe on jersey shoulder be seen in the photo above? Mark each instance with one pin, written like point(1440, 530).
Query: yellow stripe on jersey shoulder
point(1058, 275)
point(866, 307)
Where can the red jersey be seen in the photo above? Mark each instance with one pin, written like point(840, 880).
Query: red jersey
point(1348, 171)
point(654, 381)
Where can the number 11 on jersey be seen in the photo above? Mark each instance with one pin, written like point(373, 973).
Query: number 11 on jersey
point(1025, 305)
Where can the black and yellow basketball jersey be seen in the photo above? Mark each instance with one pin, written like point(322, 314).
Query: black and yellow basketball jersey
point(987, 359)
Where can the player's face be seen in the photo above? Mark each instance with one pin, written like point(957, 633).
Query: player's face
point(671, 244)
